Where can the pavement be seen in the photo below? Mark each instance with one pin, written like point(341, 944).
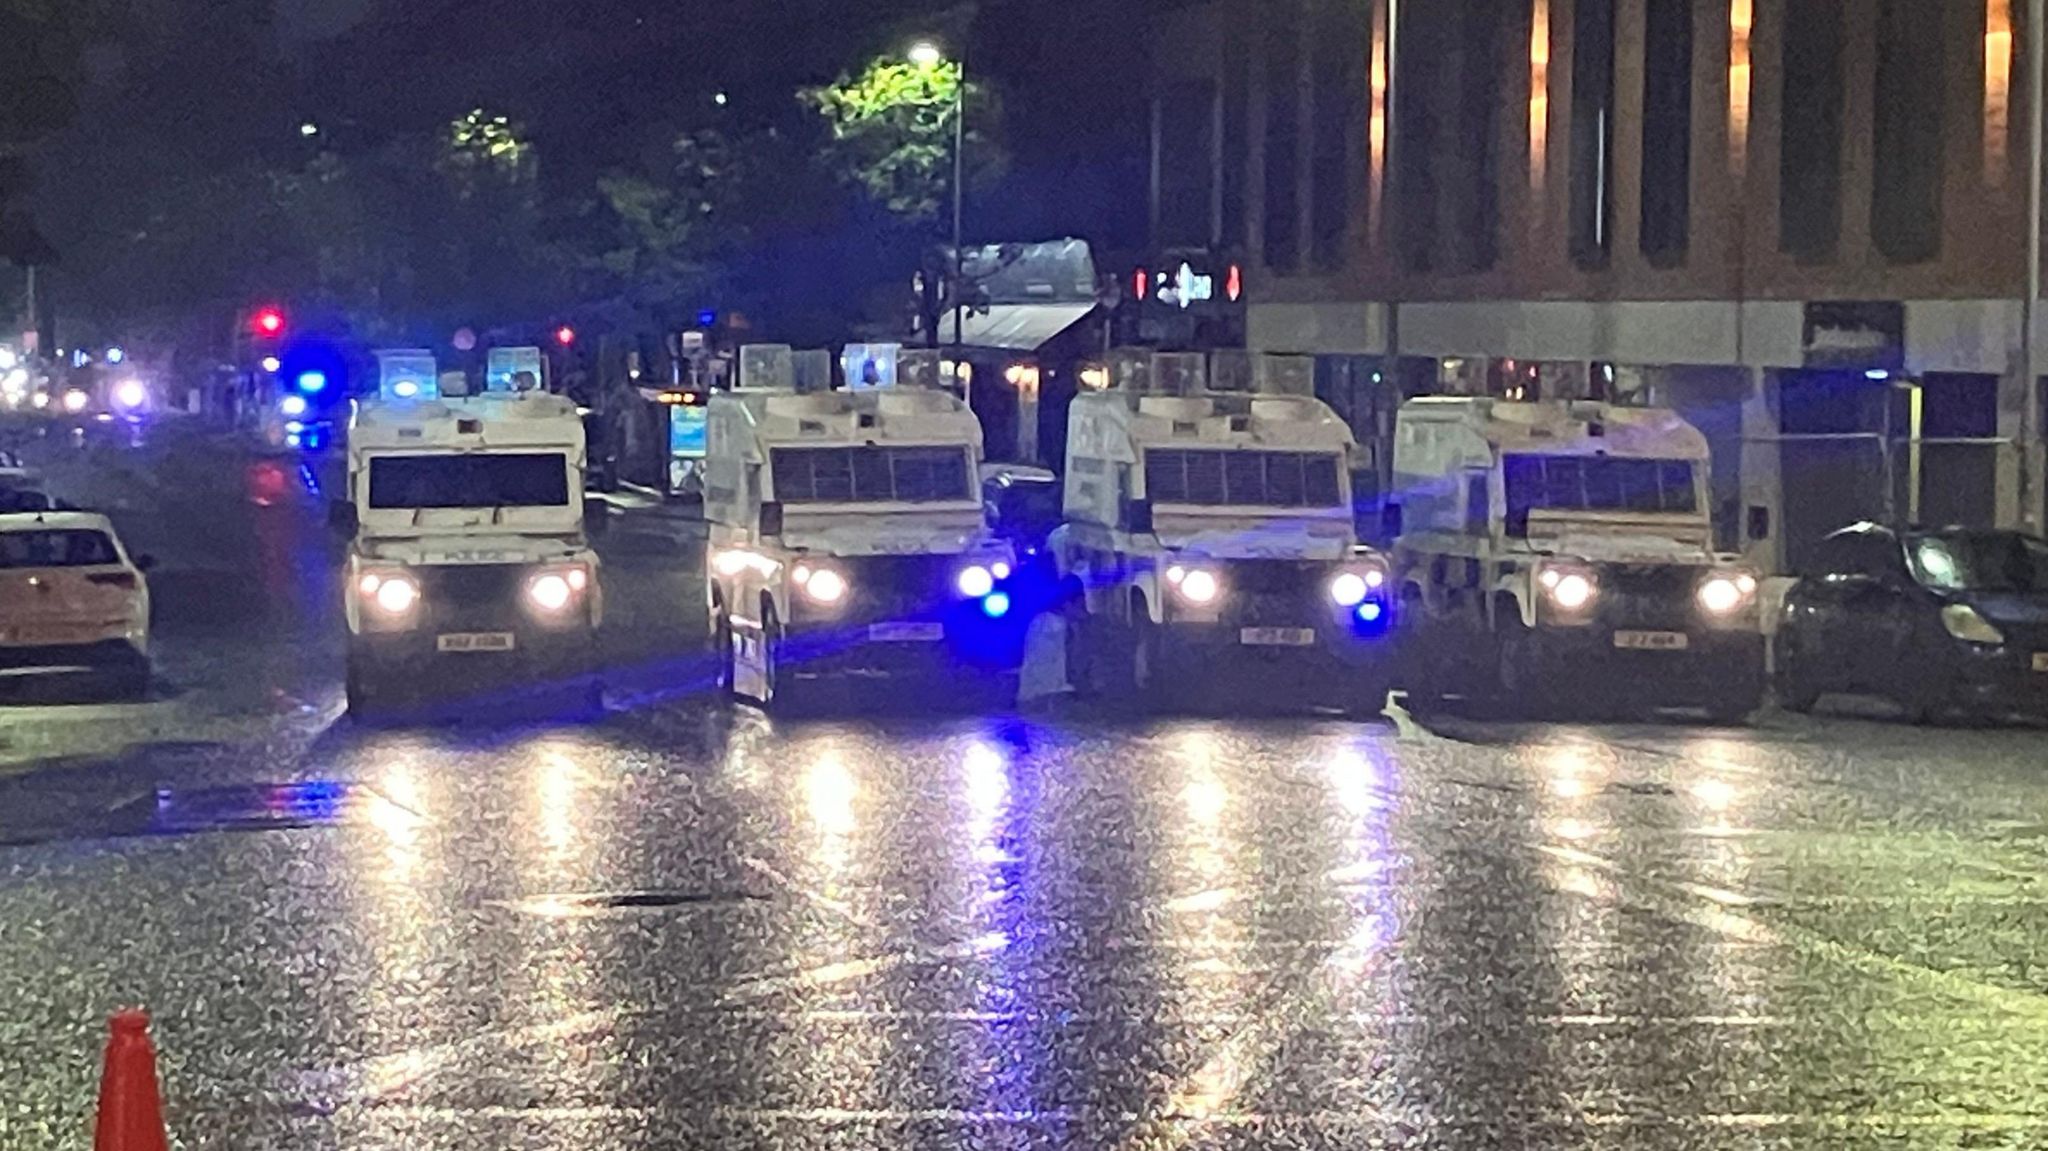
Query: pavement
point(694, 926)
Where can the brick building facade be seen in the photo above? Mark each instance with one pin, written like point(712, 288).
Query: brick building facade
point(1801, 222)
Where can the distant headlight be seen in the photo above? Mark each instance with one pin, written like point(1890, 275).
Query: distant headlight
point(1725, 594)
point(1964, 623)
point(75, 400)
point(1348, 589)
point(292, 405)
point(1199, 586)
point(393, 595)
point(130, 394)
point(550, 592)
point(1570, 590)
point(822, 585)
point(975, 581)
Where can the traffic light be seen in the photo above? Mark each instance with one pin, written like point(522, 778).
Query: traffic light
point(268, 322)
point(565, 335)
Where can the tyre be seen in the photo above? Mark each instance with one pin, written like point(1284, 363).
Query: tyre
point(1148, 681)
point(364, 703)
point(778, 692)
point(1794, 683)
point(727, 671)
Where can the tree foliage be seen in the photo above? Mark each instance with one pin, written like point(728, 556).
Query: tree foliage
point(892, 130)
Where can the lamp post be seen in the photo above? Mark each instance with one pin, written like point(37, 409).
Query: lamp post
point(927, 54)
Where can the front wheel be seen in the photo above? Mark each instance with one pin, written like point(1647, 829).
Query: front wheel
point(726, 676)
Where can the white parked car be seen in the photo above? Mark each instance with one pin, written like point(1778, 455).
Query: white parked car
point(72, 600)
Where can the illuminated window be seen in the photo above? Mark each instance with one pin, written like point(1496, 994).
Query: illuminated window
point(1997, 87)
point(1376, 123)
point(1539, 99)
point(1741, 18)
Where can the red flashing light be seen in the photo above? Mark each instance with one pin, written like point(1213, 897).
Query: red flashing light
point(1139, 282)
point(1233, 284)
point(269, 322)
point(565, 335)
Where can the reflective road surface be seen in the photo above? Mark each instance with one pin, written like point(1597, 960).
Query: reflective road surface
point(689, 927)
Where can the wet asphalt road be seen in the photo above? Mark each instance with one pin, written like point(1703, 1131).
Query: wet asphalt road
point(688, 927)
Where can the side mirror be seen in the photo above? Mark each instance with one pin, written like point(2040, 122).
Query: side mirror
point(597, 516)
point(771, 518)
point(1390, 521)
point(145, 562)
point(341, 516)
point(1138, 516)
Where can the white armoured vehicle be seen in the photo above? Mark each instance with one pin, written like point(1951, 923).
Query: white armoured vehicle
point(1209, 534)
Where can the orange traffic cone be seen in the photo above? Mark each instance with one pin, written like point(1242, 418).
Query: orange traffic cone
point(131, 1116)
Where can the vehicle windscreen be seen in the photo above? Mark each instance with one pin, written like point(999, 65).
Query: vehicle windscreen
point(526, 480)
point(1980, 561)
point(1243, 479)
point(1594, 484)
point(57, 548)
point(871, 475)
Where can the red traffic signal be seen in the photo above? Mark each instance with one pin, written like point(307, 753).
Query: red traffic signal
point(565, 335)
point(268, 322)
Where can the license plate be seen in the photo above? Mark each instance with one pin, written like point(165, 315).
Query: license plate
point(2041, 661)
point(906, 632)
point(1652, 640)
point(1277, 636)
point(475, 641)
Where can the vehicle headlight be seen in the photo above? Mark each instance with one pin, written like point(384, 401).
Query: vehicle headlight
point(392, 594)
point(1348, 589)
point(292, 405)
point(1198, 586)
point(1725, 594)
point(820, 585)
point(1570, 590)
point(130, 393)
point(550, 592)
point(975, 581)
point(1964, 623)
point(75, 400)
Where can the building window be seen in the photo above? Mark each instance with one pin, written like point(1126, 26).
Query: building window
point(1417, 68)
point(1741, 21)
point(1376, 120)
point(1283, 135)
point(1187, 169)
point(1905, 193)
point(1340, 32)
point(1810, 152)
point(1592, 206)
point(1539, 101)
point(1236, 122)
point(1667, 131)
point(1997, 89)
point(1483, 40)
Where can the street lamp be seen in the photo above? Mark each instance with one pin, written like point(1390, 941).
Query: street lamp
point(927, 54)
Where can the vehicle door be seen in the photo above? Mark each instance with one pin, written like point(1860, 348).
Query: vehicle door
point(1870, 608)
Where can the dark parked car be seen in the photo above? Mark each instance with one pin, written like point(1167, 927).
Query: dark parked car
point(1939, 620)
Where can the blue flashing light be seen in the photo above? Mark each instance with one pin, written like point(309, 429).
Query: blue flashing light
point(310, 382)
point(1370, 611)
point(116, 355)
point(708, 318)
point(292, 405)
point(1877, 374)
point(996, 605)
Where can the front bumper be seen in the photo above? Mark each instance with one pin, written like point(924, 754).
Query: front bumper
point(2000, 680)
point(417, 658)
point(109, 654)
point(1713, 665)
point(903, 619)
